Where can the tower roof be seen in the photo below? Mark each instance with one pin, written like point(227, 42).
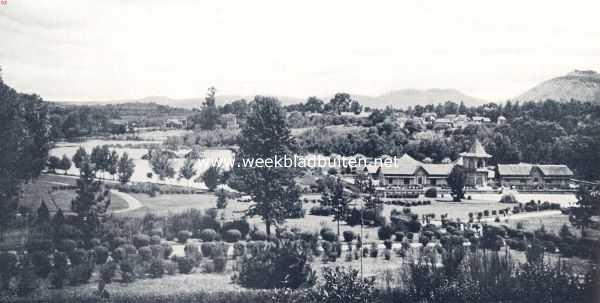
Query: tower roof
point(476, 151)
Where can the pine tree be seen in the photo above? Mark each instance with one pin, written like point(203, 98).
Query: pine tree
point(43, 214)
point(456, 181)
point(211, 177)
point(78, 156)
point(91, 202)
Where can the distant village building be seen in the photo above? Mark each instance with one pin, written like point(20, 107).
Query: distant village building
point(175, 123)
point(536, 176)
point(501, 120)
point(229, 121)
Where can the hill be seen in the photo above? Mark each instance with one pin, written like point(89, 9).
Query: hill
point(581, 85)
point(397, 98)
point(410, 97)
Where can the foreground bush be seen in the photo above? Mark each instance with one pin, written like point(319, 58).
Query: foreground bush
point(283, 265)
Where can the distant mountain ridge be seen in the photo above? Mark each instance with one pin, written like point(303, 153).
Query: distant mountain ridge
point(410, 97)
point(581, 85)
point(398, 98)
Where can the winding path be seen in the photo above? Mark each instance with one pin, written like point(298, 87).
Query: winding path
point(132, 202)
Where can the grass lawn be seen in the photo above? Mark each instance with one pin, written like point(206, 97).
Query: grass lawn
point(41, 189)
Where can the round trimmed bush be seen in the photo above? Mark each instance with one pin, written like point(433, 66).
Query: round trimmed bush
point(431, 192)
point(141, 240)
point(232, 236)
point(183, 236)
point(207, 249)
point(508, 198)
point(67, 245)
point(208, 235)
point(145, 253)
point(185, 265)
point(328, 235)
point(101, 254)
point(258, 235)
point(154, 240)
point(348, 236)
point(385, 232)
point(398, 236)
point(118, 241)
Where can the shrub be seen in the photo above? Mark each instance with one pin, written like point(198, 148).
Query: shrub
point(232, 236)
point(59, 270)
point(258, 235)
point(207, 249)
point(183, 236)
point(185, 265)
point(193, 253)
point(154, 240)
point(431, 192)
point(158, 251)
point(157, 268)
point(328, 234)
point(27, 281)
point(118, 241)
point(348, 236)
point(140, 240)
point(239, 249)
point(158, 232)
point(8, 268)
point(35, 245)
point(284, 265)
point(398, 236)
point(242, 225)
point(387, 244)
point(170, 267)
point(67, 245)
point(107, 272)
point(101, 254)
point(508, 198)
point(145, 253)
point(374, 250)
point(208, 235)
point(80, 273)
point(220, 264)
point(78, 256)
point(41, 263)
point(127, 267)
point(167, 250)
point(385, 232)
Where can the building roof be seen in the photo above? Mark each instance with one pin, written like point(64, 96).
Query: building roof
point(555, 170)
point(405, 165)
point(438, 169)
point(521, 169)
point(524, 169)
point(476, 151)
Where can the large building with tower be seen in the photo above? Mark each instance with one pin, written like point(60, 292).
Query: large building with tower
point(409, 172)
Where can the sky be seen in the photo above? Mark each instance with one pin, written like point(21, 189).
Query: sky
point(107, 49)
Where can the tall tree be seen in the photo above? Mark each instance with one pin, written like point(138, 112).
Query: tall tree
point(588, 200)
point(221, 199)
point(161, 164)
point(65, 163)
point(113, 163)
point(456, 181)
point(340, 201)
point(209, 115)
point(24, 131)
point(187, 170)
point(340, 102)
point(79, 155)
point(125, 168)
point(91, 202)
point(266, 136)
